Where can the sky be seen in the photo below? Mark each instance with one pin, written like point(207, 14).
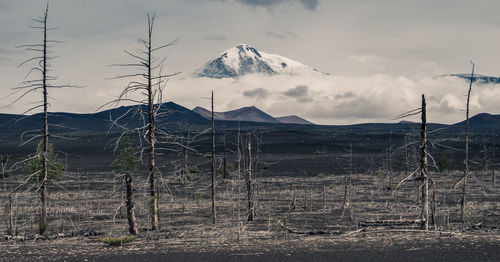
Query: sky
point(382, 55)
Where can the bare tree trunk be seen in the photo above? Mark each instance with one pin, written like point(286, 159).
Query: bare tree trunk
point(132, 226)
point(213, 163)
point(43, 187)
point(224, 171)
point(294, 199)
point(485, 158)
point(466, 161)
point(346, 196)
point(324, 197)
point(182, 161)
point(423, 169)
point(251, 209)
point(151, 133)
point(239, 181)
point(11, 214)
point(306, 203)
point(493, 165)
point(407, 155)
point(347, 187)
point(433, 217)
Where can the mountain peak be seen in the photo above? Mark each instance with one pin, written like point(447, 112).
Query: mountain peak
point(244, 59)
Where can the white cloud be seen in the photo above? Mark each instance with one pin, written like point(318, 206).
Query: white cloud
point(339, 99)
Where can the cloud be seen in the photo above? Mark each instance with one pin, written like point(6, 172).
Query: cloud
point(300, 92)
point(327, 100)
point(347, 94)
point(259, 93)
point(310, 4)
point(286, 35)
point(215, 37)
point(307, 4)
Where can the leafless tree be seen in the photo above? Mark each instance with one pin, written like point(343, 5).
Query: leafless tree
point(466, 161)
point(149, 82)
point(214, 214)
point(423, 169)
point(224, 161)
point(493, 165)
point(347, 187)
point(251, 209)
point(40, 64)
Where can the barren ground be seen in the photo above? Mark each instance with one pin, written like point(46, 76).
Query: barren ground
point(86, 206)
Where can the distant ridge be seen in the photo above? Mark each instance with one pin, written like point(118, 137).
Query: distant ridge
point(99, 123)
point(251, 114)
point(482, 120)
point(293, 119)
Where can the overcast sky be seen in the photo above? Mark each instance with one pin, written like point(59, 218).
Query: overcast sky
point(382, 54)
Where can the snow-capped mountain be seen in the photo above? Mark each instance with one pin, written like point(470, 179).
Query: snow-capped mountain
point(479, 79)
point(244, 59)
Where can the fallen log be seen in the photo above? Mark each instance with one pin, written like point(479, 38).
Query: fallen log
point(318, 232)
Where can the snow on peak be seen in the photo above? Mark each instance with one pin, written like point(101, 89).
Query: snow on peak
point(244, 59)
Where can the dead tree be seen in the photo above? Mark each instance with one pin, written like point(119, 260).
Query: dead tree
point(125, 163)
point(214, 214)
point(10, 228)
point(493, 164)
point(132, 227)
point(424, 169)
point(149, 84)
point(433, 212)
point(224, 164)
point(324, 197)
point(466, 161)
point(485, 158)
point(251, 210)
point(40, 64)
point(347, 187)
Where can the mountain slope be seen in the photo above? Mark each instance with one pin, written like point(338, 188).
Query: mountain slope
point(250, 114)
point(169, 116)
point(481, 121)
point(244, 59)
point(293, 119)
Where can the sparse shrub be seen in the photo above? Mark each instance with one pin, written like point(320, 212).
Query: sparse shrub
point(265, 166)
point(321, 175)
point(194, 170)
point(42, 228)
point(443, 163)
point(14, 232)
point(319, 152)
point(116, 241)
point(128, 159)
point(54, 166)
point(4, 159)
point(379, 173)
point(391, 187)
point(199, 198)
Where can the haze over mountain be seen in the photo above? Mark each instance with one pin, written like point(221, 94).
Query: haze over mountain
point(251, 114)
point(244, 59)
point(178, 117)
